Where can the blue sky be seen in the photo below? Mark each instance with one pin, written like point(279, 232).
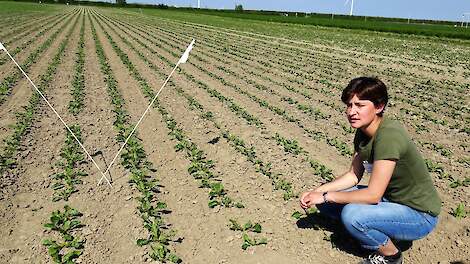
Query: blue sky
point(420, 9)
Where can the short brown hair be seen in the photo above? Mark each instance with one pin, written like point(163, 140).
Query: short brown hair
point(366, 88)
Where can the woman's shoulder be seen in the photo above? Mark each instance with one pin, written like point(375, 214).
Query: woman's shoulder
point(392, 129)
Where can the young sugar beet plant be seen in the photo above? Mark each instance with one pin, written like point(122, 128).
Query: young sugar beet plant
point(200, 167)
point(64, 224)
point(134, 159)
point(248, 227)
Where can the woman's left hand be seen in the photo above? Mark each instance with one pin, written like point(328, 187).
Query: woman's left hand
point(311, 198)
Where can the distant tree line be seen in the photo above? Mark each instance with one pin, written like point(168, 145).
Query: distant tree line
point(81, 2)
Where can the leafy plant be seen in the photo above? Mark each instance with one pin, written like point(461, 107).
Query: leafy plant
point(459, 212)
point(66, 223)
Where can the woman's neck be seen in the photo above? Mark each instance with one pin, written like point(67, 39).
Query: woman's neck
point(371, 129)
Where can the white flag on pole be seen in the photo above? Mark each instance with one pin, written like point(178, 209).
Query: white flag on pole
point(185, 56)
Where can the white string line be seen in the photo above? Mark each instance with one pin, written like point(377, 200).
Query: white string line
point(181, 60)
point(43, 97)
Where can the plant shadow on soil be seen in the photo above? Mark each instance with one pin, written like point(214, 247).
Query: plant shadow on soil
point(340, 237)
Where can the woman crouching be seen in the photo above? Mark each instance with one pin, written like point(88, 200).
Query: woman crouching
point(400, 201)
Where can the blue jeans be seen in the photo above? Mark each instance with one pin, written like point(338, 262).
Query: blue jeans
point(374, 224)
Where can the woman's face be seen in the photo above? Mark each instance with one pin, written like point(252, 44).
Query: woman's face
point(361, 113)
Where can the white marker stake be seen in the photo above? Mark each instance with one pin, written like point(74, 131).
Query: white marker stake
point(183, 59)
point(43, 97)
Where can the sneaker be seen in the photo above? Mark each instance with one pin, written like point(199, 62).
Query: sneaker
point(376, 258)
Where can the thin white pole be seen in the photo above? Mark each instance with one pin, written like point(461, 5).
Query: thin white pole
point(183, 59)
point(352, 6)
point(63, 122)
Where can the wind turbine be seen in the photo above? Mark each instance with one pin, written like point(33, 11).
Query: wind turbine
point(198, 4)
point(352, 6)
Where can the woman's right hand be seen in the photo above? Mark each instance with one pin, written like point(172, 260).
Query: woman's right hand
point(310, 198)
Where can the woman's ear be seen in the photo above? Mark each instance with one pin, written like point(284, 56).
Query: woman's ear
point(379, 109)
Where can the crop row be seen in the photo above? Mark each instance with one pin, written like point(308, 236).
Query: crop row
point(25, 119)
point(290, 65)
point(345, 128)
point(78, 84)
point(252, 48)
point(235, 141)
point(26, 29)
point(332, 141)
point(200, 167)
point(24, 44)
point(12, 79)
point(134, 159)
point(70, 175)
point(67, 223)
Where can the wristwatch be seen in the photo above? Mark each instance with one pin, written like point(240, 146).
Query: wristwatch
point(324, 197)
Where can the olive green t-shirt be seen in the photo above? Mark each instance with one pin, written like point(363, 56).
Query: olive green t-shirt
point(410, 183)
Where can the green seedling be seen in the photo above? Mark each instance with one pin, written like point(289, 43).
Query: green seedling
point(248, 226)
point(309, 211)
point(460, 212)
point(65, 223)
point(249, 242)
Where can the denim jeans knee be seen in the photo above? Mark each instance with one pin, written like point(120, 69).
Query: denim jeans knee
point(354, 218)
point(374, 224)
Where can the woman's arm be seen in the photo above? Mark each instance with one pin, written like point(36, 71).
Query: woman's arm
point(381, 173)
point(347, 180)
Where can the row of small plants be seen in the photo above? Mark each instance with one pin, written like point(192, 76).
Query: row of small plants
point(12, 79)
point(25, 119)
point(32, 40)
point(71, 174)
point(248, 240)
point(239, 145)
point(20, 31)
point(345, 150)
point(200, 167)
point(438, 169)
point(341, 146)
point(67, 246)
point(235, 141)
point(134, 159)
point(78, 83)
point(328, 173)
